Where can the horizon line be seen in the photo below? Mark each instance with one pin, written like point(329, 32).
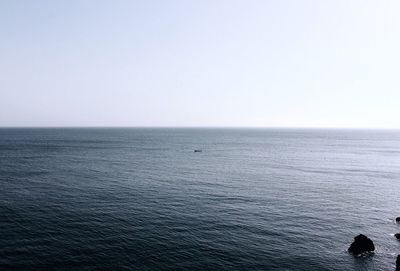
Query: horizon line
point(199, 127)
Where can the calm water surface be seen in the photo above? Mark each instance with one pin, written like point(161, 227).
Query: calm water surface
point(141, 199)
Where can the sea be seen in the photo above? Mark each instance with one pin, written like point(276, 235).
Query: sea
point(252, 199)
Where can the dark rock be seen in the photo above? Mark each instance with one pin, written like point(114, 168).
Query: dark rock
point(198, 150)
point(397, 235)
point(361, 244)
point(398, 219)
point(398, 263)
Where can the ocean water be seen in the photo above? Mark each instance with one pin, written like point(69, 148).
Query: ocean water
point(142, 199)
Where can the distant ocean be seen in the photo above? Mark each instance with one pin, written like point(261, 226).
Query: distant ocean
point(142, 199)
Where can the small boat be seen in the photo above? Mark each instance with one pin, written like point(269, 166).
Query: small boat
point(198, 150)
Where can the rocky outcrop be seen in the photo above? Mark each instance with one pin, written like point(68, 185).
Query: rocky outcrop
point(397, 235)
point(398, 219)
point(361, 245)
point(398, 263)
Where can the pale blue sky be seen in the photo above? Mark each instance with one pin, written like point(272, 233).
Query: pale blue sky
point(200, 63)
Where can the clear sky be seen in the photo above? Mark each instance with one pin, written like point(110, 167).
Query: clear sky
point(200, 63)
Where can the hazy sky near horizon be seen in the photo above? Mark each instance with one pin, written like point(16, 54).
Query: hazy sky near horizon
point(200, 63)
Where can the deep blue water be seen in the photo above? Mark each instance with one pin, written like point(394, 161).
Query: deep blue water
point(141, 199)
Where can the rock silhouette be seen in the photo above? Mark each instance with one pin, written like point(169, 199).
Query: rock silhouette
point(397, 235)
point(361, 244)
point(398, 219)
point(398, 263)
